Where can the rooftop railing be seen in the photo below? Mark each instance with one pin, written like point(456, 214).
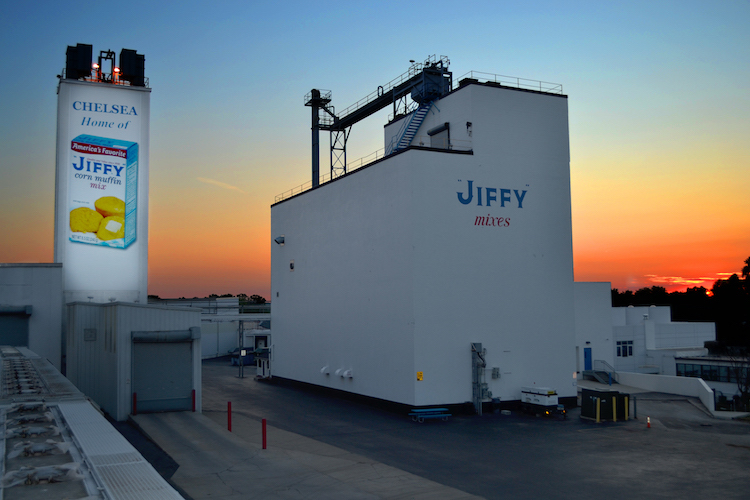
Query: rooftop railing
point(420, 140)
point(514, 81)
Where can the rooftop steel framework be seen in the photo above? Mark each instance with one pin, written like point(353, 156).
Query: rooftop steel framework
point(423, 82)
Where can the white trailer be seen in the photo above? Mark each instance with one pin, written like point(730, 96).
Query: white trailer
point(541, 401)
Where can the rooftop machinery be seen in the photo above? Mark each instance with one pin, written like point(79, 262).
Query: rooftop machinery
point(423, 82)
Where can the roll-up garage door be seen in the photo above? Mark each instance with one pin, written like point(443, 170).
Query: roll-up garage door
point(163, 371)
point(14, 325)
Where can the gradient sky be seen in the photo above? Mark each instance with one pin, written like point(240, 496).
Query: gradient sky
point(659, 113)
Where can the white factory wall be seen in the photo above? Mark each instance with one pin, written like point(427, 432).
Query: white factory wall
point(100, 362)
point(38, 286)
point(515, 280)
point(593, 313)
point(394, 274)
point(347, 304)
point(682, 334)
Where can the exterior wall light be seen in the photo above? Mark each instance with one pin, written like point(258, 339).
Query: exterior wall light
point(279, 241)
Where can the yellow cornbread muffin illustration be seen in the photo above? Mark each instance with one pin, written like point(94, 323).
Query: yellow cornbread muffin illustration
point(111, 228)
point(110, 205)
point(102, 176)
point(85, 220)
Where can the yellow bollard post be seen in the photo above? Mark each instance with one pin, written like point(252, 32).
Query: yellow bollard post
point(627, 407)
point(598, 410)
point(614, 409)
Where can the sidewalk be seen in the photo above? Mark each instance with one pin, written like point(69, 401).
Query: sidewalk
point(217, 464)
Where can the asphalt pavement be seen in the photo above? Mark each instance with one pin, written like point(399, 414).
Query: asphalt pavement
point(328, 445)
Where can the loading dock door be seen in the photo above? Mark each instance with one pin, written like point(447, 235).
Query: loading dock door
point(162, 373)
point(14, 326)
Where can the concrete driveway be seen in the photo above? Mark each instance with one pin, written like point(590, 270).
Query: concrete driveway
point(686, 453)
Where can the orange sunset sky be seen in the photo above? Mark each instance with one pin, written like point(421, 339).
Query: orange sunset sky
point(659, 116)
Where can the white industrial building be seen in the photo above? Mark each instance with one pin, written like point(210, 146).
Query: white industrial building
point(384, 277)
point(641, 339)
point(648, 341)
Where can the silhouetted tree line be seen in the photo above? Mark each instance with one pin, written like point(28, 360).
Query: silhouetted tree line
point(244, 299)
point(727, 304)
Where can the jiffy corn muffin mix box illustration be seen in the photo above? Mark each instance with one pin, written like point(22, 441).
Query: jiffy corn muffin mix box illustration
point(103, 191)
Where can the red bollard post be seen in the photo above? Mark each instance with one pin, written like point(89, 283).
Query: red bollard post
point(135, 404)
point(193, 400)
point(229, 416)
point(263, 425)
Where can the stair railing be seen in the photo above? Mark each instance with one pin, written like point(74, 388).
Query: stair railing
point(423, 110)
point(603, 366)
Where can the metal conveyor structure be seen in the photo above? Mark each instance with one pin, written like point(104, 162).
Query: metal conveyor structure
point(423, 83)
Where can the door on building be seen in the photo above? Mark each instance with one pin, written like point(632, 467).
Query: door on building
point(14, 326)
point(163, 376)
point(587, 363)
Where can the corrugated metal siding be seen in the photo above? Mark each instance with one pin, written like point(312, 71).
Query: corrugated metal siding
point(92, 367)
point(102, 368)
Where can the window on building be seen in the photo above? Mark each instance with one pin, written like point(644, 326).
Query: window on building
point(713, 373)
point(624, 348)
point(709, 372)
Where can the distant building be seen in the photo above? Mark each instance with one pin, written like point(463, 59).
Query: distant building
point(648, 341)
point(222, 319)
point(632, 339)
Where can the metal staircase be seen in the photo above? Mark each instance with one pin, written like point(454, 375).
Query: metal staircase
point(409, 129)
point(603, 372)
